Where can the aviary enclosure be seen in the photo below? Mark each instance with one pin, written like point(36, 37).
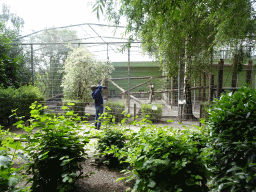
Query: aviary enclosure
point(134, 82)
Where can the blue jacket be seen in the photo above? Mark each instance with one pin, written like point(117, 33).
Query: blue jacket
point(96, 95)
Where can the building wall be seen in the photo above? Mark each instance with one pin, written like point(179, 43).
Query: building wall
point(121, 72)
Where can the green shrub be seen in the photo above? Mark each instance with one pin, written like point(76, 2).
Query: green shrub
point(152, 115)
point(204, 113)
point(56, 150)
point(111, 137)
point(115, 108)
point(7, 104)
point(166, 160)
point(232, 126)
point(19, 99)
point(4, 134)
point(78, 108)
point(25, 96)
point(9, 175)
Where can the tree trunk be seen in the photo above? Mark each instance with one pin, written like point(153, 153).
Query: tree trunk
point(188, 112)
point(235, 72)
point(249, 74)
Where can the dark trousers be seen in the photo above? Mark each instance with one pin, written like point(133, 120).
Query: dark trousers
point(98, 112)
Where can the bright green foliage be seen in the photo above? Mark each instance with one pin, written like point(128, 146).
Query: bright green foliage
point(152, 115)
point(232, 125)
point(115, 109)
point(111, 137)
point(78, 107)
point(19, 99)
point(166, 160)
point(56, 151)
point(10, 176)
point(205, 106)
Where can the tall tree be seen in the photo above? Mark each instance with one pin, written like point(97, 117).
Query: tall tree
point(182, 34)
point(82, 70)
point(12, 67)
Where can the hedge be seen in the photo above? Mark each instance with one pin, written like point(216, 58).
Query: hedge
point(154, 115)
point(117, 108)
point(19, 99)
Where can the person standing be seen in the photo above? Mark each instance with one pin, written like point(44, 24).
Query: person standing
point(96, 95)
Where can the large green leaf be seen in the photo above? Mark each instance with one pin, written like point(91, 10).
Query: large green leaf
point(5, 161)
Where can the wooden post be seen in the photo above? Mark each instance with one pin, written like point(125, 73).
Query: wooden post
point(134, 113)
point(199, 84)
point(172, 102)
point(211, 84)
point(181, 110)
point(204, 84)
point(106, 92)
point(210, 88)
point(249, 73)
point(200, 114)
point(220, 77)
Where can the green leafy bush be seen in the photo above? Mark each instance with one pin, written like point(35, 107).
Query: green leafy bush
point(115, 108)
point(204, 113)
point(9, 175)
point(111, 137)
point(25, 96)
point(19, 99)
point(7, 104)
point(166, 160)
point(78, 108)
point(232, 126)
point(56, 150)
point(152, 115)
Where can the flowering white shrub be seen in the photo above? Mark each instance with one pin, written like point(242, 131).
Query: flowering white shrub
point(81, 71)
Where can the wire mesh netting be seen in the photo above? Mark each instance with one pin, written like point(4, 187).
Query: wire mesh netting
point(138, 82)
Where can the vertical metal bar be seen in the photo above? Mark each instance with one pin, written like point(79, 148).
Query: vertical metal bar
point(107, 55)
point(172, 102)
point(106, 81)
point(32, 64)
point(128, 89)
point(194, 95)
point(134, 114)
point(181, 106)
point(179, 89)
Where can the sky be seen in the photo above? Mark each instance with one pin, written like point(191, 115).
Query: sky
point(48, 13)
point(38, 15)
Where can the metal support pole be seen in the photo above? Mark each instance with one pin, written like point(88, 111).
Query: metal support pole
point(128, 89)
point(179, 90)
point(181, 106)
point(194, 96)
point(32, 65)
point(107, 55)
point(106, 81)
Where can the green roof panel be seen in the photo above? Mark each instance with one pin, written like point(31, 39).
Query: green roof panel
point(136, 64)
